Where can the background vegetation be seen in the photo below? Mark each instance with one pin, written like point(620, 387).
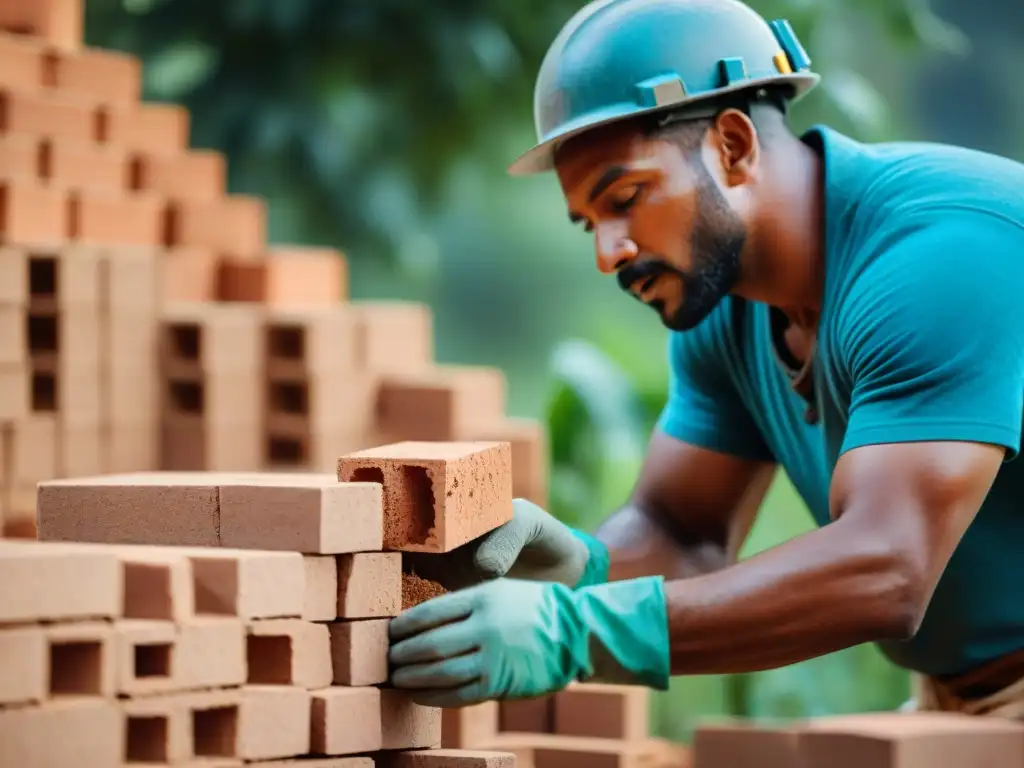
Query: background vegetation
point(384, 128)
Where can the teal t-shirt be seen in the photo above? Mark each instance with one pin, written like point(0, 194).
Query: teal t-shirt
point(921, 338)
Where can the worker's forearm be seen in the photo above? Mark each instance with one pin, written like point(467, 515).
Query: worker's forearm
point(827, 590)
point(641, 546)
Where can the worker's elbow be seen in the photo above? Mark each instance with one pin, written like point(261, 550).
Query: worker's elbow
point(904, 594)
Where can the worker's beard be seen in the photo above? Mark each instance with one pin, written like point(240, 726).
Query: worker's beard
point(716, 244)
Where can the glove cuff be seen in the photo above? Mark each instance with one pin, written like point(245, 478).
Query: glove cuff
point(595, 571)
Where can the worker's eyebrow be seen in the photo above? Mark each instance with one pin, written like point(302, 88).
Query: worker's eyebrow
point(608, 178)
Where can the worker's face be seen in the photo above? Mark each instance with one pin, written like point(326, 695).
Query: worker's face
point(660, 222)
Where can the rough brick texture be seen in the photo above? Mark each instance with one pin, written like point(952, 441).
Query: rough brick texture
point(407, 725)
point(275, 721)
point(467, 727)
point(369, 585)
point(437, 496)
point(346, 721)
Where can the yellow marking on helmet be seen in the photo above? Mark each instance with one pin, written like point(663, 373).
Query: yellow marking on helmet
point(781, 61)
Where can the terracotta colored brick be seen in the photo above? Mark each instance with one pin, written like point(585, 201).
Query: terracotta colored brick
point(395, 336)
point(199, 338)
point(31, 214)
point(437, 496)
point(322, 403)
point(530, 454)
point(21, 62)
point(275, 721)
point(291, 444)
point(188, 274)
point(158, 584)
point(14, 389)
point(109, 218)
point(448, 758)
point(177, 728)
point(301, 343)
point(59, 22)
point(81, 166)
point(346, 721)
point(131, 280)
point(369, 585)
point(602, 711)
point(250, 585)
point(738, 742)
point(469, 727)
point(146, 127)
point(235, 225)
point(23, 678)
point(81, 659)
point(68, 380)
point(284, 276)
point(311, 513)
point(34, 450)
point(550, 751)
point(440, 404)
point(321, 603)
point(535, 715)
point(289, 652)
point(46, 114)
point(19, 154)
point(63, 278)
point(359, 650)
point(195, 175)
point(407, 725)
point(85, 732)
point(192, 442)
point(102, 76)
point(416, 590)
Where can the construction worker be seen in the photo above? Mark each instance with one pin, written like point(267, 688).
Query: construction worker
point(849, 313)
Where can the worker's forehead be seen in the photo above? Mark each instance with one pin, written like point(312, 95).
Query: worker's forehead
point(594, 151)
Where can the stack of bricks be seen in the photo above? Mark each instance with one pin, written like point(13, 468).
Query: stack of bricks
point(221, 618)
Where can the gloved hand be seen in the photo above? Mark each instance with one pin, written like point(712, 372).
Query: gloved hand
point(533, 545)
point(510, 638)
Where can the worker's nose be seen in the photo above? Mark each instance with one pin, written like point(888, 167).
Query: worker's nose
point(614, 248)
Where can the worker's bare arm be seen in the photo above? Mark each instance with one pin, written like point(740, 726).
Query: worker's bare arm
point(688, 514)
point(899, 512)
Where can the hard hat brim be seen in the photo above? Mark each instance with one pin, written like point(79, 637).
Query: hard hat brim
point(541, 157)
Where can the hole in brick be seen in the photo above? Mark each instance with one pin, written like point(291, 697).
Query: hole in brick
point(186, 396)
point(146, 740)
point(147, 591)
point(214, 587)
point(42, 277)
point(289, 398)
point(101, 125)
point(186, 341)
point(285, 451)
point(153, 660)
point(50, 64)
point(135, 173)
point(270, 659)
point(286, 343)
point(213, 732)
point(42, 333)
point(367, 475)
point(44, 393)
point(75, 668)
point(418, 495)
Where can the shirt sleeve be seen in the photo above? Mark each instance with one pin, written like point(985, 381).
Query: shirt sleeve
point(704, 407)
point(933, 336)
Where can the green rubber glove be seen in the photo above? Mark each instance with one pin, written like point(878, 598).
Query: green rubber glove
point(533, 545)
point(510, 638)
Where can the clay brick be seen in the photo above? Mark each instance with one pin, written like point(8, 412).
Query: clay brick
point(447, 758)
point(602, 711)
point(15, 395)
point(188, 275)
point(469, 727)
point(359, 651)
point(440, 404)
point(290, 445)
point(130, 448)
point(81, 659)
point(84, 732)
point(437, 496)
point(221, 398)
point(321, 602)
point(177, 728)
point(46, 115)
point(31, 214)
point(110, 218)
point(369, 585)
point(289, 652)
point(311, 513)
point(146, 127)
point(395, 336)
point(550, 751)
point(407, 725)
point(59, 22)
point(535, 715)
point(33, 455)
point(158, 584)
point(416, 590)
point(301, 343)
point(200, 338)
point(147, 657)
point(195, 175)
point(190, 442)
point(286, 276)
point(168, 508)
point(739, 743)
point(23, 678)
point(64, 278)
point(21, 63)
point(248, 584)
point(346, 721)
point(322, 403)
point(212, 652)
point(19, 154)
point(67, 379)
point(130, 277)
point(96, 75)
point(235, 225)
point(275, 721)
point(530, 454)
point(76, 165)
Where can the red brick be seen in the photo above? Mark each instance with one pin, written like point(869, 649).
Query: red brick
point(437, 496)
point(440, 404)
point(46, 114)
point(302, 343)
point(31, 214)
point(21, 61)
point(311, 513)
point(369, 585)
point(602, 711)
point(530, 454)
point(23, 678)
point(83, 733)
point(59, 22)
point(321, 603)
point(468, 727)
point(195, 175)
point(289, 652)
point(346, 721)
point(131, 279)
point(193, 442)
point(395, 336)
point(286, 276)
point(447, 758)
point(275, 721)
point(406, 724)
point(103, 76)
point(235, 225)
point(188, 274)
point(535, 715)
point(359, 651)
point(81, 659)
point(70, 164)
point(20, 155)
point(146, 127)
point(106, 218)
point(742, 743)
point(199, 338)
point(64, 278)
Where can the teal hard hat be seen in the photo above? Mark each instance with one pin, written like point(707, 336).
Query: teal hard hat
point(617, 59)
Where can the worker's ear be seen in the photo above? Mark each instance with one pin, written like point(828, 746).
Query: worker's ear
point(735, 146)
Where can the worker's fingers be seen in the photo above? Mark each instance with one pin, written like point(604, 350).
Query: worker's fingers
point(441, 643)
point(499, 550)
point(432, 613)
point(450, 673)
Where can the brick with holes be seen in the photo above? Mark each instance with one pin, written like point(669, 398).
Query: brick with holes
point(289, 652)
